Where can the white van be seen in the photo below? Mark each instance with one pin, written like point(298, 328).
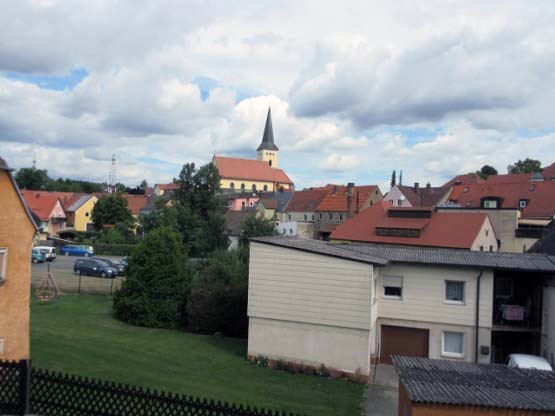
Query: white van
point(49, 252)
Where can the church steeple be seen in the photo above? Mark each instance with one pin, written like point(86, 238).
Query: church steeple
point(268, 137)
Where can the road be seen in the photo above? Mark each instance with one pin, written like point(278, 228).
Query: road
point(67, 281)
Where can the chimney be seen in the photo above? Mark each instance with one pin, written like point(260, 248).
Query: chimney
point(334, 190)
point(416, 185)
point(350, 199)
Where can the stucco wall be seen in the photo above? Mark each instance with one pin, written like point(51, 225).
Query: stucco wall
point(225, 183)
point(81, 218)
point(395, 195)
point(16, 234)
point(486, 238)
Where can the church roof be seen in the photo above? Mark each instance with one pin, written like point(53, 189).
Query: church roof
point(268, 137)
point(247, 169)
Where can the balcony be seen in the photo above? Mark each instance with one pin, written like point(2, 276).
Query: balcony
point(57, 220)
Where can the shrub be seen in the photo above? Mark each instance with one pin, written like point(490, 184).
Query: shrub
point(154, 294)
point(113, 249)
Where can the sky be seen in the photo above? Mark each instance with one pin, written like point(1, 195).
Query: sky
point(357, 88)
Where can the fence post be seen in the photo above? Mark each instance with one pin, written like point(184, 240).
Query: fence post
point(112, 286)
point(79, 290)
point(25, 386)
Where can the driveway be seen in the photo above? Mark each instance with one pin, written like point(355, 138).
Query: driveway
point(382, 392)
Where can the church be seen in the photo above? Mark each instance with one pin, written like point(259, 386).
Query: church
point(262, 174)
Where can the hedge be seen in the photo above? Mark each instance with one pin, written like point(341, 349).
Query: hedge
point(113, 249)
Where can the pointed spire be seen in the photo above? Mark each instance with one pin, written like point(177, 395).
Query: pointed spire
point(268, 137)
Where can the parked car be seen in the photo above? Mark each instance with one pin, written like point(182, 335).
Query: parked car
point(532, 362)
point(125, 262)
point(85, 251)
point(49, 252)
point(94, 267)
point(37, 256)
point(116, 265)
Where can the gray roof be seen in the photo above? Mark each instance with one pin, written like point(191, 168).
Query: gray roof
point(384, 254)
point(268, 137)
point(282, 198)
point(82, 199)
point(470, 384)
point(546, 244)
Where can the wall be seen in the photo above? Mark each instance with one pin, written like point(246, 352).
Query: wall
point(267, 156)
point(288, 228)
point(423, 306)
point(81, 219)
point(372, 199)
point(54, 226)
point(548, 323)
point(315, 298)
point(237, 203)
point(225, 183)
point(486, 238)
point(300, 216)
point(16, 234)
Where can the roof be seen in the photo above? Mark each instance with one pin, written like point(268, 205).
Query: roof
point(4, 167)
point(427, 196)
point(282, 198)
point(547, 173)
point(463, 383)
point(306, 200)
point(249, 169)
point(40, 205)
point(234, 220)
point(336, 197)
point(435, 231)
point(540, 196)
point(67, 199)
point(167, 186)
point(268, 203)
point(384, 254)
point(467, 179)
point(268, 136)
point(546, 244)
point(78, 202)
point(135, 203)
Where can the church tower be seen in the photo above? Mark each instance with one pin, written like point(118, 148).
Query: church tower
point(268, 151)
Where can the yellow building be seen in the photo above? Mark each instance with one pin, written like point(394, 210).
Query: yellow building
point(79, 212)
point(17, 230)
point(262, 174)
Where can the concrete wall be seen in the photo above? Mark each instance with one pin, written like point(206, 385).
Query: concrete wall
point(486, 238)
point(16, 234)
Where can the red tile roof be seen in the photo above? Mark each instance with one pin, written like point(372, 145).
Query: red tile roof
point(66, 198)
point(40, 203)
point(468, 179)
point(450, 230)
point(306, 200)
point(336, 197)
point(167, 186)
point(248, 169)
point(540, 196)
point(135, 202)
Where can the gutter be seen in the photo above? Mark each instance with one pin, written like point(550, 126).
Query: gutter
point(477, 325)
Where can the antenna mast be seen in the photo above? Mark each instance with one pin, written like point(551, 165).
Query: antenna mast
point(112, 175)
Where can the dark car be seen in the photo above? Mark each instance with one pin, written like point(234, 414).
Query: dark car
point(118, 266)
point(94, 267)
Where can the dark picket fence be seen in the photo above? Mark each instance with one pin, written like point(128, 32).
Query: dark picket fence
point(43, 392)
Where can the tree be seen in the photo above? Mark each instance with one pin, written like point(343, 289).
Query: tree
point(393, 180)
point(143, 184)
point(486, 171)
point(155, 291)
point(253, 226)
point(32, 178)
point(525, 166)
point(111, 209)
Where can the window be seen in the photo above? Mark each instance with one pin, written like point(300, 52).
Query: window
point(391, 201)
point(393, 287)
point(283, 231)
point(454, 291)
point(399, 202)
point(453, 344)
point(340, 217)
point(3, 264)
point(270, 161)
point(371, 202)
point(320, 216)
point(312, 217)
point(232, 185)
point(86, 214)
point(487, 232)
point(490, 248)
point(490, 203)
point(265, 187)
point(243, 204)
point(305, 217)
point(481, 248)
point(289, 216)
point(330, 215)
point(290, 231)
point(504, 288)
point(242, 186)
point(254, 187)
point(522, 203)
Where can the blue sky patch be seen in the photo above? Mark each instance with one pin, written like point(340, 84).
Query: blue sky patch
point(59, 83)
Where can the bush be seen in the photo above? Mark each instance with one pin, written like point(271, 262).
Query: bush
point(154, 294)
point(218, 299)
point(113, 249)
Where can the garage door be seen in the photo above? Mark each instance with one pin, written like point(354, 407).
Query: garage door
point(399, 340)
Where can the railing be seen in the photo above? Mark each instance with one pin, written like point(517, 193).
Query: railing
point(529, 232)
point(49, 393)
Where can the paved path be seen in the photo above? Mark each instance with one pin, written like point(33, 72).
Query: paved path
point(382, 394)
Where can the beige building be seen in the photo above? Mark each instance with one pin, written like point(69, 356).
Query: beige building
point(345, 305)
point(17, 230)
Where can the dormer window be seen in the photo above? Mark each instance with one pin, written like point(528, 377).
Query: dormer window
point(522, 203)
point(490, 202)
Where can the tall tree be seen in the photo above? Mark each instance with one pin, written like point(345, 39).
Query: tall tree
point(253, 226)
point(393, 180)
point(401, 177)
point(111, 209)
point(525, 166)
point(32, 178)
point(486, 171)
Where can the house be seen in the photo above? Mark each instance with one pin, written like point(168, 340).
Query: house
point(416, 196)
point(261, 174)
point(47, 211)
point(17, 231)
point(242, 201)
point(383, 223)
point(342, 202)
point(302, 211)
point(439, 387)
point(281, 198)
point(346, 305)
point(135, 203)
point(165, 188)
point(234, 224)
point(267, 208)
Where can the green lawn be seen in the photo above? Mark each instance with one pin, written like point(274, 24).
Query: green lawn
point(77, 334)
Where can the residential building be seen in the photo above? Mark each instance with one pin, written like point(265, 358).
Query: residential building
point(242, 201)
point(262, 174)
point(416, 196)
point(47, 211)
point(165, 188)
point(342, 202)
point(386, 224)
point(346, 305)
point(438, 387)
point(135, 203)
point(17, 231)
point(234, 225)
point(267, 208)
point(302, 210)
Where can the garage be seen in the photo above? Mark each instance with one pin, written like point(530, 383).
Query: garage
point(400, 340)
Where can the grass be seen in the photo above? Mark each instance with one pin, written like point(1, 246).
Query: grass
point(78, 334)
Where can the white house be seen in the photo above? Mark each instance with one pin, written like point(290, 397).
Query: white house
point(344, 305)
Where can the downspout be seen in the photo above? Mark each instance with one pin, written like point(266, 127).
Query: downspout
point(477, 326)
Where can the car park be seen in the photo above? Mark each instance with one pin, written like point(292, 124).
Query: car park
point(49, 252)
point(527, 361)
point(94, 267)
point(37, 256)
point(116, 265)
point(76, 250)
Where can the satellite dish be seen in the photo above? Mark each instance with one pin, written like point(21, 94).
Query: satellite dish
point(402, 197)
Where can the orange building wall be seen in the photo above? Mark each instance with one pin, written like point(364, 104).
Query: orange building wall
point(16, 233)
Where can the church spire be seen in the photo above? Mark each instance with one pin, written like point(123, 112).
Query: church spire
point(268, 137)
